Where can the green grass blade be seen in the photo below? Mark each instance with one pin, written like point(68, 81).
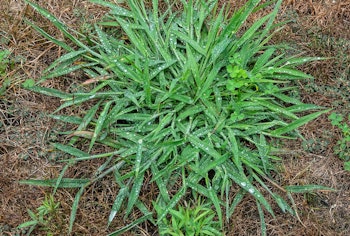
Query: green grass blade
point(134, 38)
point(191, 42)
point(90, 157)
point(176, 198)
point(103, 39)
point(204, 146)
point(235, 150)
point(283, 204)
point(246, 185)
point(64, 70)
point(237, 199)
point(157, 176)
point(49, 92)
point(299, 61)
point(239, 18)
point(86, 120)
point(49, 37)
point(62, 27)
point(70, 150)
point(262, 219)
point(138, 159)
point(135, 192)
point(122, 194)
point(216, 162)
point(100, 123)
point(269, 24)
point(116, 10)
point(71, 56)
point(75, 208)
point(276, 108)
point(73, 100)
point(164, 66)
point(60, 177)
point(262, 59)
point(132, 225)
point(303, 107)
point(207, 83)
point(290, 73)
point(67, 119)
point(216, 202)
point(307, 188)
point(297, 123)
point(64, 183)
point(213, 34)
point(251, 32)
point(28, 224)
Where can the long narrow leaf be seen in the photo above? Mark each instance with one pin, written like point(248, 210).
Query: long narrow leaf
point(123, 193)
point(307, 188)
point(64, 183)
point(100, 123)
point(132, 225)
point(75, 208)
point(135, 191)
point(297, 123)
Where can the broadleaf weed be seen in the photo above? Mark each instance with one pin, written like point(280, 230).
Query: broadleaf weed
point(181, 96)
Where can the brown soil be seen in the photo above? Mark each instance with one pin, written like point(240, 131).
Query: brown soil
point(316, 28)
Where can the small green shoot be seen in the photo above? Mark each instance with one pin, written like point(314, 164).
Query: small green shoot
point(189, 220)
point(4, 63)
point(43, 216)
point(342, 148)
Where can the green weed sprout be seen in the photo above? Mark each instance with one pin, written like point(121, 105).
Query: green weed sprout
point(43, 217)
point(191, 221)
point(4, 62)
point(342, 148)
point(184, 96)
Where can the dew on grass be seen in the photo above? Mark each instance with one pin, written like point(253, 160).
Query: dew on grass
point(243, 184)
point(251, 190)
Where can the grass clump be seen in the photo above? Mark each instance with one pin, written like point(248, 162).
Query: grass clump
point(184, 96)
point(192, 221)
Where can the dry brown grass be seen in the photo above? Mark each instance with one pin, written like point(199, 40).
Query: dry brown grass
point(315, 28)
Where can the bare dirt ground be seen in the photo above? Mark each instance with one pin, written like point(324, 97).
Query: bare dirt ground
point(315, 28)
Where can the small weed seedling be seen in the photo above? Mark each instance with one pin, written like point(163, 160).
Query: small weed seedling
point(189, 220)
point(342, 149)
point(4, 62)
point(43, 217)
